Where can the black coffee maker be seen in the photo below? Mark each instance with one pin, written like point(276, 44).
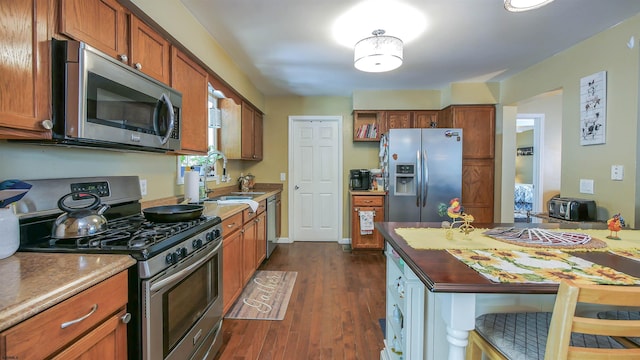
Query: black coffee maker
point(359, 179)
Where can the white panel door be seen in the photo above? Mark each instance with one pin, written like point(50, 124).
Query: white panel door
point(315, 160)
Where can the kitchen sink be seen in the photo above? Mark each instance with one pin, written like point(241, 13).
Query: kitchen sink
point(230, 197)
point(249, 192)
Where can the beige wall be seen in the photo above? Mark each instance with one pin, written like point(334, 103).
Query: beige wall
point(524, 164)
point(276, 125)
point(548, 105)
point(606, 51)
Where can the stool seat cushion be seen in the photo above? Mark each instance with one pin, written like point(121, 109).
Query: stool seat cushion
point(523, 336)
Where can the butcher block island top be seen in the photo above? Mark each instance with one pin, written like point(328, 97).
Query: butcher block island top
point(32, 282)
point(440, 271)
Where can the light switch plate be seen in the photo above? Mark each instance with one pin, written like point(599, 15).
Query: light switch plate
point(283, 176)
point(586, 186)
point(617, 172)
point(143, 187)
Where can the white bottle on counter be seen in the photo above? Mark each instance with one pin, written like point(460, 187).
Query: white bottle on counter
point(10, 230)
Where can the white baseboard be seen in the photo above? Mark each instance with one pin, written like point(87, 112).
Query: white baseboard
point(284, 241)
point(344, 241)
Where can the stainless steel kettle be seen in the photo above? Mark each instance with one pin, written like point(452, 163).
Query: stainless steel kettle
point(79, 222)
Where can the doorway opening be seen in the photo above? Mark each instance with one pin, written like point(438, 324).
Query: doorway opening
point(538, 154)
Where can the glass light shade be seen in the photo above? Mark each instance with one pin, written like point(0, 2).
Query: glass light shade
point(524, 5)
point(378, 53)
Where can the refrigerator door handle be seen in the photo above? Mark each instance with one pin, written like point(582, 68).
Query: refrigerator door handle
point(418, 177)
point(425, 180)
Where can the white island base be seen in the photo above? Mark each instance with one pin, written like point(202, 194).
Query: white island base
point(421, 324)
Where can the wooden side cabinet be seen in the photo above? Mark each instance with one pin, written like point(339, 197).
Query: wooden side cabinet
point(101, 331)
point(359, 203)
point(478, 127)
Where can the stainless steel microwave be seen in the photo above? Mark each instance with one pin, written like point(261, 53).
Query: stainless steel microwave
point(98, 101)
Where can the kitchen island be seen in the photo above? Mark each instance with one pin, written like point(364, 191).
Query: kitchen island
point(442, 296)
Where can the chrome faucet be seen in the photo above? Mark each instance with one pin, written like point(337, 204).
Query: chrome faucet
point(211, 158)
point(215, 152)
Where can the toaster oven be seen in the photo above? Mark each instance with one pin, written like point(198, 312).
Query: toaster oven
point(572, 209)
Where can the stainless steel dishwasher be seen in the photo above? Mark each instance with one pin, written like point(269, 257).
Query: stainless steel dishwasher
point(271, 225)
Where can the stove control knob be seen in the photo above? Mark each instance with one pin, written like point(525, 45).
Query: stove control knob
point(209, 237)
point(170, 258)
point(197, 243)
point(217, 233)
point(183, 252)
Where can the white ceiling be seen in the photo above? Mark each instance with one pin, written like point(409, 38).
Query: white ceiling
point(286, 47)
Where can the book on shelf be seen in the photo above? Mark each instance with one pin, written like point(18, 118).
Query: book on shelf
point(367, 131)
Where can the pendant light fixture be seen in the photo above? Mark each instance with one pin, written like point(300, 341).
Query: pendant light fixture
point(378, 53)
point(524, 5)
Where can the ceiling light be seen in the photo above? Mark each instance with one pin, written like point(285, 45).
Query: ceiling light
point(378, 53)
point(524, 5)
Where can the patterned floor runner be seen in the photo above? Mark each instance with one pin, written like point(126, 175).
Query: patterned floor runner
point(265, 297)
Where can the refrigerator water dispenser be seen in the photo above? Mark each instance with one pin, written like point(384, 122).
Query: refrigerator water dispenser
point(405, 179)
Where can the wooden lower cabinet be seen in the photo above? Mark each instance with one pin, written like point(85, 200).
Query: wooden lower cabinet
point(261, 238)
point(101, 334)
point(232, 281)
point(248, 250)
point(375, 203)
point(107, 341)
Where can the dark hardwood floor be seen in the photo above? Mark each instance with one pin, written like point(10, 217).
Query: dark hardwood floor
point(333, 313)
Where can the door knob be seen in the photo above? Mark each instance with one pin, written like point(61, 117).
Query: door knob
point(297, 187)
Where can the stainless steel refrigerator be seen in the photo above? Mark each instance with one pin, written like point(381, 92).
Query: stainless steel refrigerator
point(423, 169)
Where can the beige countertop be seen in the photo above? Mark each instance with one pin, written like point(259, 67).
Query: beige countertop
point(212, 208)
point(32, 282)
point(367, 192)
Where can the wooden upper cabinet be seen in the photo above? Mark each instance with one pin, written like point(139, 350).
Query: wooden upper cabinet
point(398, 119)
point(111, 28)
point(230, 132)
point(100, 23)
point(149, 51)
point(258, 130)
point(25, 87)
point(191, 80)
point(425, 119)
point(478, 125)
point(247, 131)
point(367, 125)
point(242, 128)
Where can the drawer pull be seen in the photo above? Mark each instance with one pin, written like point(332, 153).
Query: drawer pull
point(231, 225)
point(69, 323)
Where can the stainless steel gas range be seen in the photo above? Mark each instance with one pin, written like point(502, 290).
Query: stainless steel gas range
point(175, 290)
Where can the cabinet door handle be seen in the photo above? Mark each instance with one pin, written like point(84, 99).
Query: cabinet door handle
point(47, 124)
point(123, 58)
point(126, 318)
point(69, 323)
point(138, 66)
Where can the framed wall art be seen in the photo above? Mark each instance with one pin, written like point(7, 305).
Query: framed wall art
point(593, 108)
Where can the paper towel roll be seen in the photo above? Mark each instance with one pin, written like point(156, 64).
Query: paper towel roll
point(192, 186)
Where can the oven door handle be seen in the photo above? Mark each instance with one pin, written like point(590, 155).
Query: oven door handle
point(184, 272)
